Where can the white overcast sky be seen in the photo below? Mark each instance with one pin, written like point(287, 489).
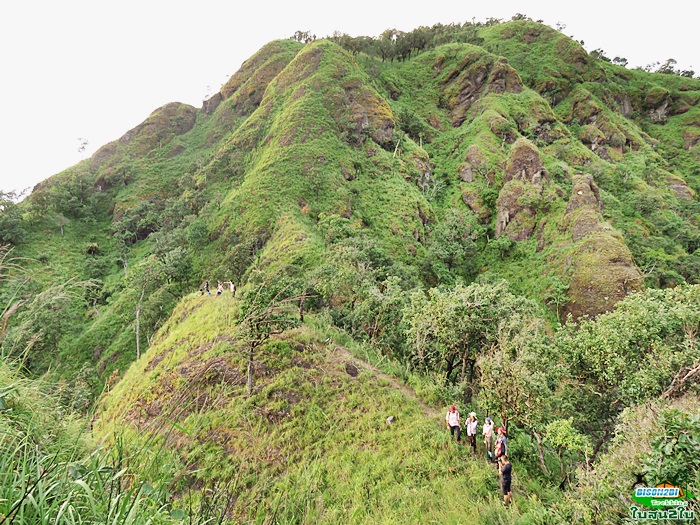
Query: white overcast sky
point(95, 69)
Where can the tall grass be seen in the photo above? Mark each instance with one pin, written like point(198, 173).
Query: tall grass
point(52, 473)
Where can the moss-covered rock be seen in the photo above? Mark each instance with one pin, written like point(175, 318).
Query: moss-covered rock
point(524, 163)
point(156, 131)
point(585, 193)
point(476, 74)
point(521, 194)
point(680, 187)
point(247, 86)
point(472, 198)
point(517, 209)
point(658, 103)
point(603, 272)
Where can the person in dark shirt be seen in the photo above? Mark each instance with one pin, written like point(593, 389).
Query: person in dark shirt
point(505, 469)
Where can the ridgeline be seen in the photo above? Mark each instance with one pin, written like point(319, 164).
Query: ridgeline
point(479, 214)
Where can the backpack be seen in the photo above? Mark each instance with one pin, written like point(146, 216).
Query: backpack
point(498, 449)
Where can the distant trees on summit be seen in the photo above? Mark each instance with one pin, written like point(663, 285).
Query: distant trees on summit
point(402, 45)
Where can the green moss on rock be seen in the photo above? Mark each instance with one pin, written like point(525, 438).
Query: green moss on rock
point(603, 273)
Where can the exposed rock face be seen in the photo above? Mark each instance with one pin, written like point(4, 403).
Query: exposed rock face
point(691, 138)
point(472, 198)
point(680, 188)
point(474, 161)
point(600, 130)
point(584, 207)
point(370, 113)
point(584, 193)
point(626, 107)
point(524, 163)
point(476, 75)
point(522, 191)
point(516, 216)
point(604, 271)
point(247, 86)
point(465, 173)
point(210, 105)
point(658, 103)
point(503, 79)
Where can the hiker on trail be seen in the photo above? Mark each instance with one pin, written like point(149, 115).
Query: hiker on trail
point(206, 288)
point(472, 426)
point(452, 421)
point(488, 436)
point(505, 469)
point(219, 288)
point(232, 287)
point(501, 447)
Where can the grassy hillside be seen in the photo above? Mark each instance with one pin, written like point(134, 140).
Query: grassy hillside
point(485, 211)
point(312, 444)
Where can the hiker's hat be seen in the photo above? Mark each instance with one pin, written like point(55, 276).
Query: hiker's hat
point(472, 414)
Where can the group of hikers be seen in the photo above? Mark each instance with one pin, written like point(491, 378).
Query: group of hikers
point(219, 288)
point(496, 452)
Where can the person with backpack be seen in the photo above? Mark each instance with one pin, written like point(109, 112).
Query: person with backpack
point(452, 421)
point(488, 436)
point(472, 425)
point(505, 469)
point(501, 447)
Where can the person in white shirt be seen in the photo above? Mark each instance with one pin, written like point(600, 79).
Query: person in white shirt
point(488, 436)
point(472, 425)
point(452, 421)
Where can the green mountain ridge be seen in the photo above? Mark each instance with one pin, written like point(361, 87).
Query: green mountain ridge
point(489, 211)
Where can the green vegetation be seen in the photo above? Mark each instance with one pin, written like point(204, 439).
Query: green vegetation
point(481, 214)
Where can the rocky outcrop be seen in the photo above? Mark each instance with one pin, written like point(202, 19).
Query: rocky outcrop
point(247, 86)
point(603, 273)
point(524, 163)
point(472, 198)
point(603, 270)
point(600, 129)
point(370, 113)
point(521, 193)
point(680, 188)
point(658, 104)
point(159, 128)
point(583, 210)
point(155, 132)
point(476, 75)
point(210, 105)
point(475, 164)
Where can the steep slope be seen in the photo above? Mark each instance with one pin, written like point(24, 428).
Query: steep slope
point(495, 120)
point(521, 157)
point(311, 444)
point(317, 126)
point(350, 185)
